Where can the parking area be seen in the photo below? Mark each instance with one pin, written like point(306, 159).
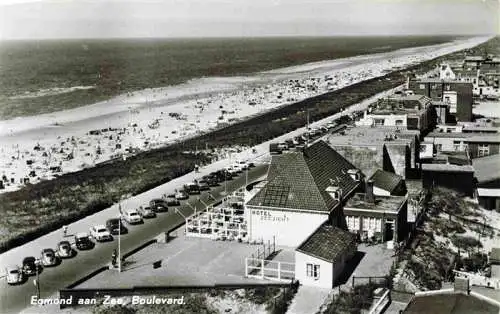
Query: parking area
point(184, 261)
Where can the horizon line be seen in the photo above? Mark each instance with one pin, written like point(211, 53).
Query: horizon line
point(250, 37)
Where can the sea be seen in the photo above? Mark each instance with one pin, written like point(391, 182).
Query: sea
point(45, 76)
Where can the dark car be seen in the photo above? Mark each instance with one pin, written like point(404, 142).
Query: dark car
point(223, 175)
point(29, 267)
point(203, 184)
point(212, 181)
point(83, 242)
point(192, 188)
point(113, 226)
point(172, 201)
point(158, 205)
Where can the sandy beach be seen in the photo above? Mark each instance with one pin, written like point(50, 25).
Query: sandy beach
point(41, 147)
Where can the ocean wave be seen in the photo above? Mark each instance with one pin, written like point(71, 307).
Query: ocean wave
point(50, 92)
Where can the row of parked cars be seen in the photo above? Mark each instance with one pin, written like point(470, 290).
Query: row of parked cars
point(115, 226)
point(299, 141)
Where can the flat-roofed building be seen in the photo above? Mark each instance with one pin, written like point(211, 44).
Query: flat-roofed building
point(458, 94)
point(477, 145)
point(369, 148)
point(412, 112)
point(381, 217)
point(456, 177)
point(487, 173)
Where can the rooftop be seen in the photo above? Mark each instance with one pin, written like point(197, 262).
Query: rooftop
point(447, 168)
point(327, 243)
point(382, 203)
point(438, 80)
point(385, 180)
point(298, 180)
point(455, 303)
point(487, 168)
point(373, 136)
point(470, 137)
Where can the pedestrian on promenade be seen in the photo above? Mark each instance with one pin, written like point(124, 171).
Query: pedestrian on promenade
point(65, 231)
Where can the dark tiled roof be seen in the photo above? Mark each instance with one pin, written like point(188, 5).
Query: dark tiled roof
point(450, 304)
point(298, 180)
point(487, 168)
point(328, 243)
point(385, 180)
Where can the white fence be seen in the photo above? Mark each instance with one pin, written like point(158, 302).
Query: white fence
point(268, 269)
point(226, 222)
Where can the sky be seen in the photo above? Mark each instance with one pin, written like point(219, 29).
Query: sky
point(42, 19)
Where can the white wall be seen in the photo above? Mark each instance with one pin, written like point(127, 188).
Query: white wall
point(451, 98)
point(389, 120)
point(288, 228)
point(380, 192)
point(326, 276)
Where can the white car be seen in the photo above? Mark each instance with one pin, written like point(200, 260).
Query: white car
point(14, 275)
point(132, 217)
point(100, 233)
point(48, 257)
point(243, 165)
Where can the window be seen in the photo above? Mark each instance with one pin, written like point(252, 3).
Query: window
point(447, 98)
point(379, 122)
point(399, 122)
point(447, 87)
point(457, 146)
point(483, 150)
point(422, 86)
point(312, 270)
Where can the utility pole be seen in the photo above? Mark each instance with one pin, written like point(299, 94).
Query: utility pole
point(37, 280)
point(119, 238)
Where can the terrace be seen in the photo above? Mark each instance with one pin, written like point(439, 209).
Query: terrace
point(382, 203)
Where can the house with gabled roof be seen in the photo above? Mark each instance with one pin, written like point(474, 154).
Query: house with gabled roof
point(322, 257)
point(387, 183)
point(304, 190)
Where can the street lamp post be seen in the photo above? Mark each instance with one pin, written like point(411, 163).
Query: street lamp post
point(37, 280)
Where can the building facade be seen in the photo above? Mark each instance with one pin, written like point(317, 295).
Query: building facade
point(304, 189)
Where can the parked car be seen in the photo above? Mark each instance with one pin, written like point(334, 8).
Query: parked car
point(146, 212)
point(203, 185)
point(132, 217)
point(158, 205)
point(29, 267)
point(290, 143)
point(243, 165)
point(275, 149)
point(181, 195)
point(100, 233)
point(192, 188)
point(48, 257)
point(14, 275)
point(115, 226)
point(282, 146)
point(172, 200)
point(83, 242)
point(64, 249)
point(212, 181)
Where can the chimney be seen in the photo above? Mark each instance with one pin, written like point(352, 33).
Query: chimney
point(369, 197)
